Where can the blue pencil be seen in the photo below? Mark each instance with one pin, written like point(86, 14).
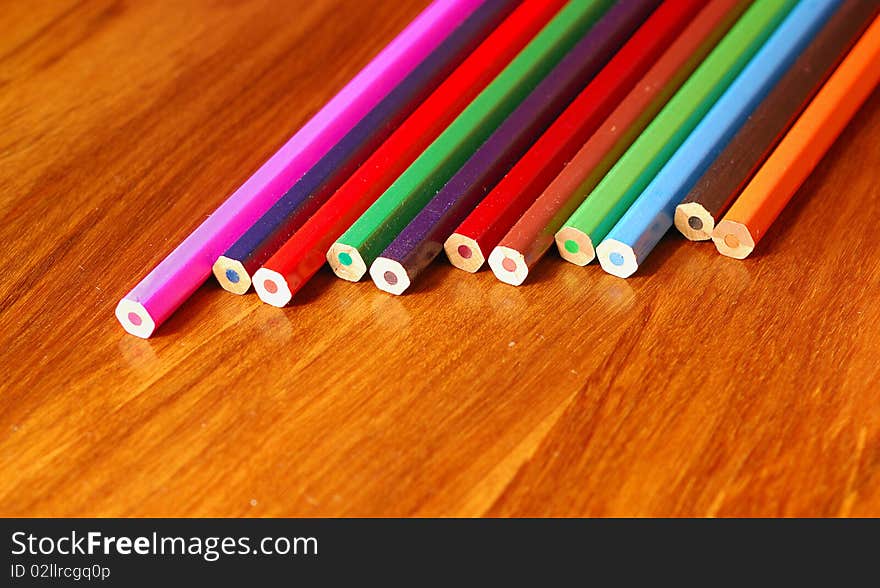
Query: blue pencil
point(633, 237)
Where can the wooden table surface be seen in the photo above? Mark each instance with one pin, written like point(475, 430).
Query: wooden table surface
point(702, 386)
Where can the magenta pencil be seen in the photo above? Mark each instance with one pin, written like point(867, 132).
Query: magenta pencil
point(177, 276)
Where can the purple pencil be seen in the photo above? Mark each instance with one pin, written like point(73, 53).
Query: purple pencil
point(174, 280)
point(422, 239)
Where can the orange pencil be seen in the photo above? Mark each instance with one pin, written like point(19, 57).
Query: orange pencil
point(801, 149)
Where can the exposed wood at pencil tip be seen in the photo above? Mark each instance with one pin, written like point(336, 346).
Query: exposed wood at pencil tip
point(617, 258)
point(574, 246)
point(232, 275)
point(508, 265)
point(694, 221)
point(272, 288)
point(389, 275)
point(733, 239)
point(464, 253)
point(353, 269)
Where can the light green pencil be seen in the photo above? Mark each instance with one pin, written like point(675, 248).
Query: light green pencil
point(358, 247)
point(611, 198)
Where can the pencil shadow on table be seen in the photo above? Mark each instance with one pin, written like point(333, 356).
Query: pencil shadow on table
point(441, 270)
point(186, 316)
point(778, 231)
point(433, 276)
point(315, 288)
point(797, 207)
point(794, 211)
point(545, 270)
point(668, 245)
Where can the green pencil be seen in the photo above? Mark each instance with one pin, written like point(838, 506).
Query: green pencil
point(611, 198)
point(358, 247)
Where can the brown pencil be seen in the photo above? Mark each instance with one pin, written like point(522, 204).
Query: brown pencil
point(695, 217)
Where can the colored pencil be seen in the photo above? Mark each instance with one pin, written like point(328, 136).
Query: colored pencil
point(729, 173)
point(800, 151)
point(480, 231)
point(359, 246)
point(305, 252)
point(625, 181)
point(149, 304)
point(422, 239)
point(234, 268)
point(532, 235)
point(639, 230)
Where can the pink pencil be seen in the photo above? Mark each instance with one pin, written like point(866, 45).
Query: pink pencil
point(165, 288)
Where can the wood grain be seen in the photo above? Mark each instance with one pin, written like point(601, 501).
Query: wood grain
point(703, 386)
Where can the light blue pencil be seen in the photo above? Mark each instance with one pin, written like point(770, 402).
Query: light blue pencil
point(651, 215)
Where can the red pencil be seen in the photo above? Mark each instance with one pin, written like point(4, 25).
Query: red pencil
point(469, 246)
point(304, 253)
